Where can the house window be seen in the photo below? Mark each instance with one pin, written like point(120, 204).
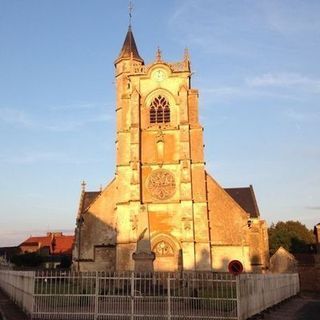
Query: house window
point(159, 110)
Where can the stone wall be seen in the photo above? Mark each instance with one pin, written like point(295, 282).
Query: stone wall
point(310, 275)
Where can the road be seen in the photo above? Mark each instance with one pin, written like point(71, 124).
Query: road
point(303, 307)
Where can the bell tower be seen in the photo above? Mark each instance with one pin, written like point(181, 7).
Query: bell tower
point(160, 200)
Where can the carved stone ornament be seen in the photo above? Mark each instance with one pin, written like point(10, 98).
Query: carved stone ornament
point(163, 249)
point(161, 184)
point(134, 222)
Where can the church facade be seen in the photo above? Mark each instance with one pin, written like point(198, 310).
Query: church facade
point(163, 211)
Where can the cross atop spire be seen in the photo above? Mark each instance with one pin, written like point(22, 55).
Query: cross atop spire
point(129, 48)
point(130, 8)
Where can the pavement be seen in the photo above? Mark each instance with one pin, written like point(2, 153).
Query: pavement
point(305, 306)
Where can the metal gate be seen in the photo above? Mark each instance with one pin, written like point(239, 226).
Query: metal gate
point(125, 296)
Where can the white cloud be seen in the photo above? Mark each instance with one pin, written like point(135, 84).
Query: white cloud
point(21, 119)
point(79, 106)
point(313, 208)
point(15, 117)
point(284, 80)
point(209, 26)
point(72, 125)
point(291, 16)
point(35, 157)
point(243, 91)
point(303, 116)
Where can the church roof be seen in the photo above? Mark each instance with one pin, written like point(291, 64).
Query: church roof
point(89, 197)
point(129, 46)
point(245, 197)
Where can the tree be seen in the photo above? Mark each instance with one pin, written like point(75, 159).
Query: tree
point(27, 260)
point(65, 262)
point(291, 235)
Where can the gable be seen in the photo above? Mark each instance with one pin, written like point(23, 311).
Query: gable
point(228, 221)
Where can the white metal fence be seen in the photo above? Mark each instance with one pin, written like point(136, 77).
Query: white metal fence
point(19, 286)
point(156, 296)
point(258, 292)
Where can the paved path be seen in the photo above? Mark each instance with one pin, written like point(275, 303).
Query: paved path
point(298, 308)
point(8, 310)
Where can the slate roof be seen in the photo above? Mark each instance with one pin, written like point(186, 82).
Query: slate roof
point(245, 197)
point(87, 198)
point(129, 46)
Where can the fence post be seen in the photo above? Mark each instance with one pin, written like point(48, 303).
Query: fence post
point(238, 297)
point(169, 297)
point(32, 292)
point(132, 296)
point(96, 297)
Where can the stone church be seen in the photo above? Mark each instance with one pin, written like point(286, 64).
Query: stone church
point(163, 211)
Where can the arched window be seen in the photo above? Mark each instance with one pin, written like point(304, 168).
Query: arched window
point(153, 116)
point(159, 114)
point(166, 114)
point(159, 110)
point(163, 249)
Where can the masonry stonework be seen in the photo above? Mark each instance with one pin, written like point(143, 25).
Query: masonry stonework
point(162, 205)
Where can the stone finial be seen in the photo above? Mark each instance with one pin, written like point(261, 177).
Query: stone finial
point(159, 136)
point(186, 56)
point(83, 186)
point(158, 55)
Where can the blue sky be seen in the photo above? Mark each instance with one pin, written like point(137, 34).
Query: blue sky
point(255, 63)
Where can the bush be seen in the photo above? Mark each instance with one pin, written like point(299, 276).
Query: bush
point(27, 260)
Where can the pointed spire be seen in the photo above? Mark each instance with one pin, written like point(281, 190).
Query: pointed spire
point(129, 49)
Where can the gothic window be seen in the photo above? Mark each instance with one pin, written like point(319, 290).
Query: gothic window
point(166, 114)
point(153, 115)
point(163, 249)
point(160, 114)
point(159, 110)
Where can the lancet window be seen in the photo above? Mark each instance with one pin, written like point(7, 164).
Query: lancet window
point(159, 110)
